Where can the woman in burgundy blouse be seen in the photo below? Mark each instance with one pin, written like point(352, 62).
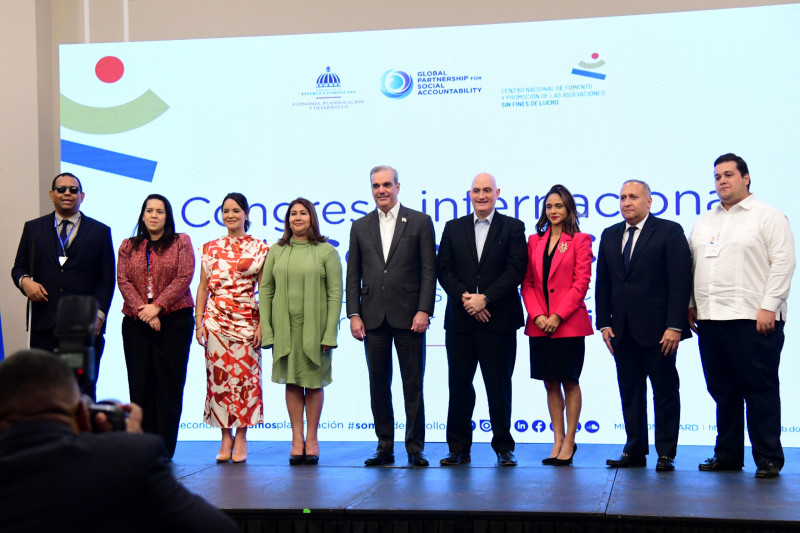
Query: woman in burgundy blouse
point(154, 271)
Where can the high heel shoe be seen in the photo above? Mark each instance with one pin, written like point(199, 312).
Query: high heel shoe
point(565, 462)
point(239, 457)
point(225, 456)
point(312, 459)
point(548, 460)
point(295, 460)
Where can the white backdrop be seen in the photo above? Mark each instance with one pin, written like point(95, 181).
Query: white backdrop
point(586, 103)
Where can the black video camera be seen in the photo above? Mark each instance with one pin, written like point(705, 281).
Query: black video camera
point(76, 321)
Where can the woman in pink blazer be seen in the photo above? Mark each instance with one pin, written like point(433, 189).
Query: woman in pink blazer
point(555, 285)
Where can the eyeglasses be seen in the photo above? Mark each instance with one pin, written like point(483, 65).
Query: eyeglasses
point(61, 189)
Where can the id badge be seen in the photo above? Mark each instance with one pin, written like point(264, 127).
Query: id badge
point(713, 248)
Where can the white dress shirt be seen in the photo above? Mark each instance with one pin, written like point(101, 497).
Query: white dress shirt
point(743, 261)
point(387, 222)
point(482, 231)
point(636, 233)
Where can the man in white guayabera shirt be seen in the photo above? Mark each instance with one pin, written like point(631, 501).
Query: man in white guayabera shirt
point(743, 254)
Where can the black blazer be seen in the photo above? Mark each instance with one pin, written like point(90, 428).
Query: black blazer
point(89, 270)
point(56, 480)
point(497, 273)
point(399, 287)
point(654, 295)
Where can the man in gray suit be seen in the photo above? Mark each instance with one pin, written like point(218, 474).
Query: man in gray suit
point(391, 286)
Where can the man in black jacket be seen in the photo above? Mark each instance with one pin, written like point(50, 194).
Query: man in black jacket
point(57, 476)
point(482, 260)
point(64, 253)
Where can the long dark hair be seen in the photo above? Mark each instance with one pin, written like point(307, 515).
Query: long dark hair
point(314, 236)
point(570, 226)
point(169, 226)
point(242, 202)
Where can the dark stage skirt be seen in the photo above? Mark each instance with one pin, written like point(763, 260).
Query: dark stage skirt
point(557, 359)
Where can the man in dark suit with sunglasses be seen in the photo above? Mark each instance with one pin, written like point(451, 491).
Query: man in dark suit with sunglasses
point(60, 254)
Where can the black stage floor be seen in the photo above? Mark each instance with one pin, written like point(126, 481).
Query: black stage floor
point(340, 494)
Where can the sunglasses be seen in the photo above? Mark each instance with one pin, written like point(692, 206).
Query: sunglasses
point(61, 189)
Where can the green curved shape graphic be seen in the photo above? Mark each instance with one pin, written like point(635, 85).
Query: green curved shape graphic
point(117, 119)
point(592, 65)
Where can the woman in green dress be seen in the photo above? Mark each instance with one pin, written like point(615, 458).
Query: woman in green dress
point(300, 300)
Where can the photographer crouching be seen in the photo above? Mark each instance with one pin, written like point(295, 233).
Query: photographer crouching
point(55, 475)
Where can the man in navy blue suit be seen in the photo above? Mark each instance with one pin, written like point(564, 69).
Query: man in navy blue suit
point(60, 254)
point(644, 280)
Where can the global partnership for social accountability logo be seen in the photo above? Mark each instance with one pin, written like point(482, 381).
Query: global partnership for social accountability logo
point(396, 84)
point(110, 120)
point(592, 67)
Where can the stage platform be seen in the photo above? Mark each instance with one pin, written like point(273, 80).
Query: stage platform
point(265, 494)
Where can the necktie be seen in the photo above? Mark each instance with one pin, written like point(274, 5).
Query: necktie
point(64, 235)
point(626, 252)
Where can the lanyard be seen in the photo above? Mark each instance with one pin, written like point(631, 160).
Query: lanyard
point(147, 255)
point(58, 234)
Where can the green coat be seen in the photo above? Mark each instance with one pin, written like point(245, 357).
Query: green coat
point(322, 302)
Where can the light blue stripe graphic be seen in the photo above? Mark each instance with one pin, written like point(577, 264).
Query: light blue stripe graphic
point(588, 74)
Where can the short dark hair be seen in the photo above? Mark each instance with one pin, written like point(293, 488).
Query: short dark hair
point(570, 226)
point(32, 378)
point(242, 202)
point(741, 166)
point(314, 236)
point(381, 168)
point(169, 226)
point(68, 175)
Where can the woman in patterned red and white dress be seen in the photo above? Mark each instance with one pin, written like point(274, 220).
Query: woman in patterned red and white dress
point(229, 328)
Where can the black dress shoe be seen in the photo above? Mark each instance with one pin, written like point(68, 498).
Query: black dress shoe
point(295, 460)
point(418, 459)
point(665, 464)
point(627, 460)
point(565, 462)
point(712, 464)
point(312, 459)
point(768, 469)
point(380, 459)
point(507, 458)
point(454, 458)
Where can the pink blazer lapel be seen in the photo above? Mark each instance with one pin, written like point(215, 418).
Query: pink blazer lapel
point(563, 248)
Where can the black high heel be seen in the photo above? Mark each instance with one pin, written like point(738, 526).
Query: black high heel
point(565, 462)
point(295, 460)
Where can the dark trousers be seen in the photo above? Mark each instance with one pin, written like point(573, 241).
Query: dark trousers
point(156, 362)
point(741, 367)
point(44, 339)
point(636, 363)
point(496, 353)
point(410, 348)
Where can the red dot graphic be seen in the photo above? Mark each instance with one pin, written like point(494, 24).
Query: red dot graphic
point(109, 69)
point(595, 55)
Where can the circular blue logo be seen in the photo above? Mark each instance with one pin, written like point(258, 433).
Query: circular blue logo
point(592, 426)
point(521, 426)
point(396, 84)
